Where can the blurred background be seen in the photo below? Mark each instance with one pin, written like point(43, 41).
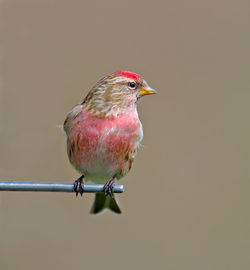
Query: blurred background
point(186, 200)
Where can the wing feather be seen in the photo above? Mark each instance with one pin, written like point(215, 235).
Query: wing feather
point(71, 116)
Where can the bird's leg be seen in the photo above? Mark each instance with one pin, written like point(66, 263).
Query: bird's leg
point(78, 185)
point(109, 186)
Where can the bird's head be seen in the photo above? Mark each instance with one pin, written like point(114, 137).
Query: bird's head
point(116, 93)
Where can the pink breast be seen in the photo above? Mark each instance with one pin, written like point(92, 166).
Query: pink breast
point(100, 144)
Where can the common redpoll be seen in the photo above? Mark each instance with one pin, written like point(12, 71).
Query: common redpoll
point(104, 133)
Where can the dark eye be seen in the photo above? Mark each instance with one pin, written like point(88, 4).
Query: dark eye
point(132, 85)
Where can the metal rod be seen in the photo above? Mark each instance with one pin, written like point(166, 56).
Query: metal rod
point(53, 186)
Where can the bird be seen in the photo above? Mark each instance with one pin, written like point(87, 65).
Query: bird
point(104, 133)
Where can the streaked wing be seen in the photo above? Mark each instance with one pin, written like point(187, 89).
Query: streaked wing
point(71, 116)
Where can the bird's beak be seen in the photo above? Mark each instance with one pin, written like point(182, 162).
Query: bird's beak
point(147, 91)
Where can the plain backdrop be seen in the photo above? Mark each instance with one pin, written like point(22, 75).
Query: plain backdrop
point(186, 200)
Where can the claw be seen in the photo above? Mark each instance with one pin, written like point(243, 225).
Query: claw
point(109, 187)
point(78, 185)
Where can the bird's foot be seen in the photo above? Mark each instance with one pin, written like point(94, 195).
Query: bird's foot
point(109, 187)
point(78, 185)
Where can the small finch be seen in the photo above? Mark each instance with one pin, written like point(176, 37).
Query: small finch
point(104, 132)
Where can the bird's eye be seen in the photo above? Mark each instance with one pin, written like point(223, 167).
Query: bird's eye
point(132, 85)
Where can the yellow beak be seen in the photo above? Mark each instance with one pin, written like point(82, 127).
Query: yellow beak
point(147, 91)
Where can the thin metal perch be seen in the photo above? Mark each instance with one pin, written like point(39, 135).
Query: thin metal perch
point(52, 186)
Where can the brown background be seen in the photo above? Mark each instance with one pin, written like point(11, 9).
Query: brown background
point(186, 201)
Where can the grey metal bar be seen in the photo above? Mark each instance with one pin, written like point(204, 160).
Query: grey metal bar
point(52, 186)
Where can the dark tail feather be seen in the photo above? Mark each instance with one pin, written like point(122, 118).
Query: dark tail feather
point(102, 201)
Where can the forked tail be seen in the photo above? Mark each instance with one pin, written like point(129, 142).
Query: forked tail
point(102, 201)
